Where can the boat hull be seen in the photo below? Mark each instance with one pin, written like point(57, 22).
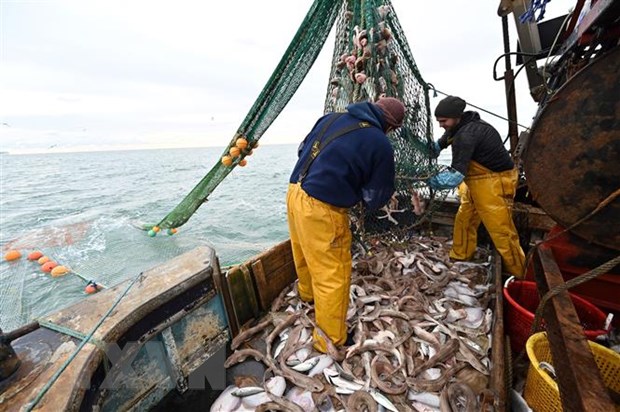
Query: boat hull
point(168, 332)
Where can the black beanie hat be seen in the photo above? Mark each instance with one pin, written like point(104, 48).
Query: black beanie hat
point(451, 107)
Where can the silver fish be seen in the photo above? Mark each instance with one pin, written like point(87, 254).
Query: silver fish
point(279, 348)
point(382, 400)
point(427, 398)
point(226, 401)
point(333, 377)
point(547, 367)
point(306, 365)
point(247, 391)
point(343, 391)
point(422, 407)
point(324, 362)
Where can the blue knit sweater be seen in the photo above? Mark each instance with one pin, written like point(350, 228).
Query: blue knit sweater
point(358, 166)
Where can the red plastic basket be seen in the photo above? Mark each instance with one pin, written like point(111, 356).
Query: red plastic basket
point(521, 300)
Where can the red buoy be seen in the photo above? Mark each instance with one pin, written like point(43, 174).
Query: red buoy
point(36, 255)
point(48, 266)
point(91, 288)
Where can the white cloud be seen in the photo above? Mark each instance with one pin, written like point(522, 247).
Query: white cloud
point(184, 74)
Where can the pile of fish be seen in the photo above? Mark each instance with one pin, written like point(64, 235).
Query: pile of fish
point(420, 327)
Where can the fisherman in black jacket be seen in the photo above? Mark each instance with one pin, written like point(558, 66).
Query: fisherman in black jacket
point(486, 178)
point(345, 159)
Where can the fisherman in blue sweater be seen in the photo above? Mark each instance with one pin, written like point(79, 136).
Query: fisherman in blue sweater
point(346, 158)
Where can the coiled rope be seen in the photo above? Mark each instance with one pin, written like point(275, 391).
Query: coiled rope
point(600, 270)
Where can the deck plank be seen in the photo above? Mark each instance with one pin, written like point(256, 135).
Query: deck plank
point(579, 380)
point(273, 271)
point(498, 371)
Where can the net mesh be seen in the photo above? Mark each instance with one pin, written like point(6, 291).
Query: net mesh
point(371, 58)
point(92, 251)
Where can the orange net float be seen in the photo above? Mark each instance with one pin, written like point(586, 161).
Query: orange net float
point(59, 270)
point(48, 266)
point(92, 287)
point(35, 255)
point(234, 151)
point(42, 260)
point(12, 255)
point(227, 160)
point(241, 143)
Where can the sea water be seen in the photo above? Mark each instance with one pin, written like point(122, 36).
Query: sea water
point(79, 209)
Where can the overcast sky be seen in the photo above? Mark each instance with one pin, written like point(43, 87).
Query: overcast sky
point(98, 75)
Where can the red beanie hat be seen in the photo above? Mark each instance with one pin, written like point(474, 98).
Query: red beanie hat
point(393, 111)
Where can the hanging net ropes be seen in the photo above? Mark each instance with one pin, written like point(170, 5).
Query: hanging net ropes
point(371, 59)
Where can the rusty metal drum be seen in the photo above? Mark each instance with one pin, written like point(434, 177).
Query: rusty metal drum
point(572, 157)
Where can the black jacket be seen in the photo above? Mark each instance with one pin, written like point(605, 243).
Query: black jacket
point(475, 139)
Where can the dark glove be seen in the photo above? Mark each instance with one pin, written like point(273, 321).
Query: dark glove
point(435, 149)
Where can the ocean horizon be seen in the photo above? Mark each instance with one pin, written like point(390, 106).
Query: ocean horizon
point(117, 148)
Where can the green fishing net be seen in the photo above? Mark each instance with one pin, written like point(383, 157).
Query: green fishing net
point(371, 58)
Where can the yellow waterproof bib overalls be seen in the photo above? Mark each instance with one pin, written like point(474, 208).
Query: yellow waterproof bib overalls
point(488, 196)
point(321, 243)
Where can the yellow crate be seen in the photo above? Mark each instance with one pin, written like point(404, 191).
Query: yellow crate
point(542, 393)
